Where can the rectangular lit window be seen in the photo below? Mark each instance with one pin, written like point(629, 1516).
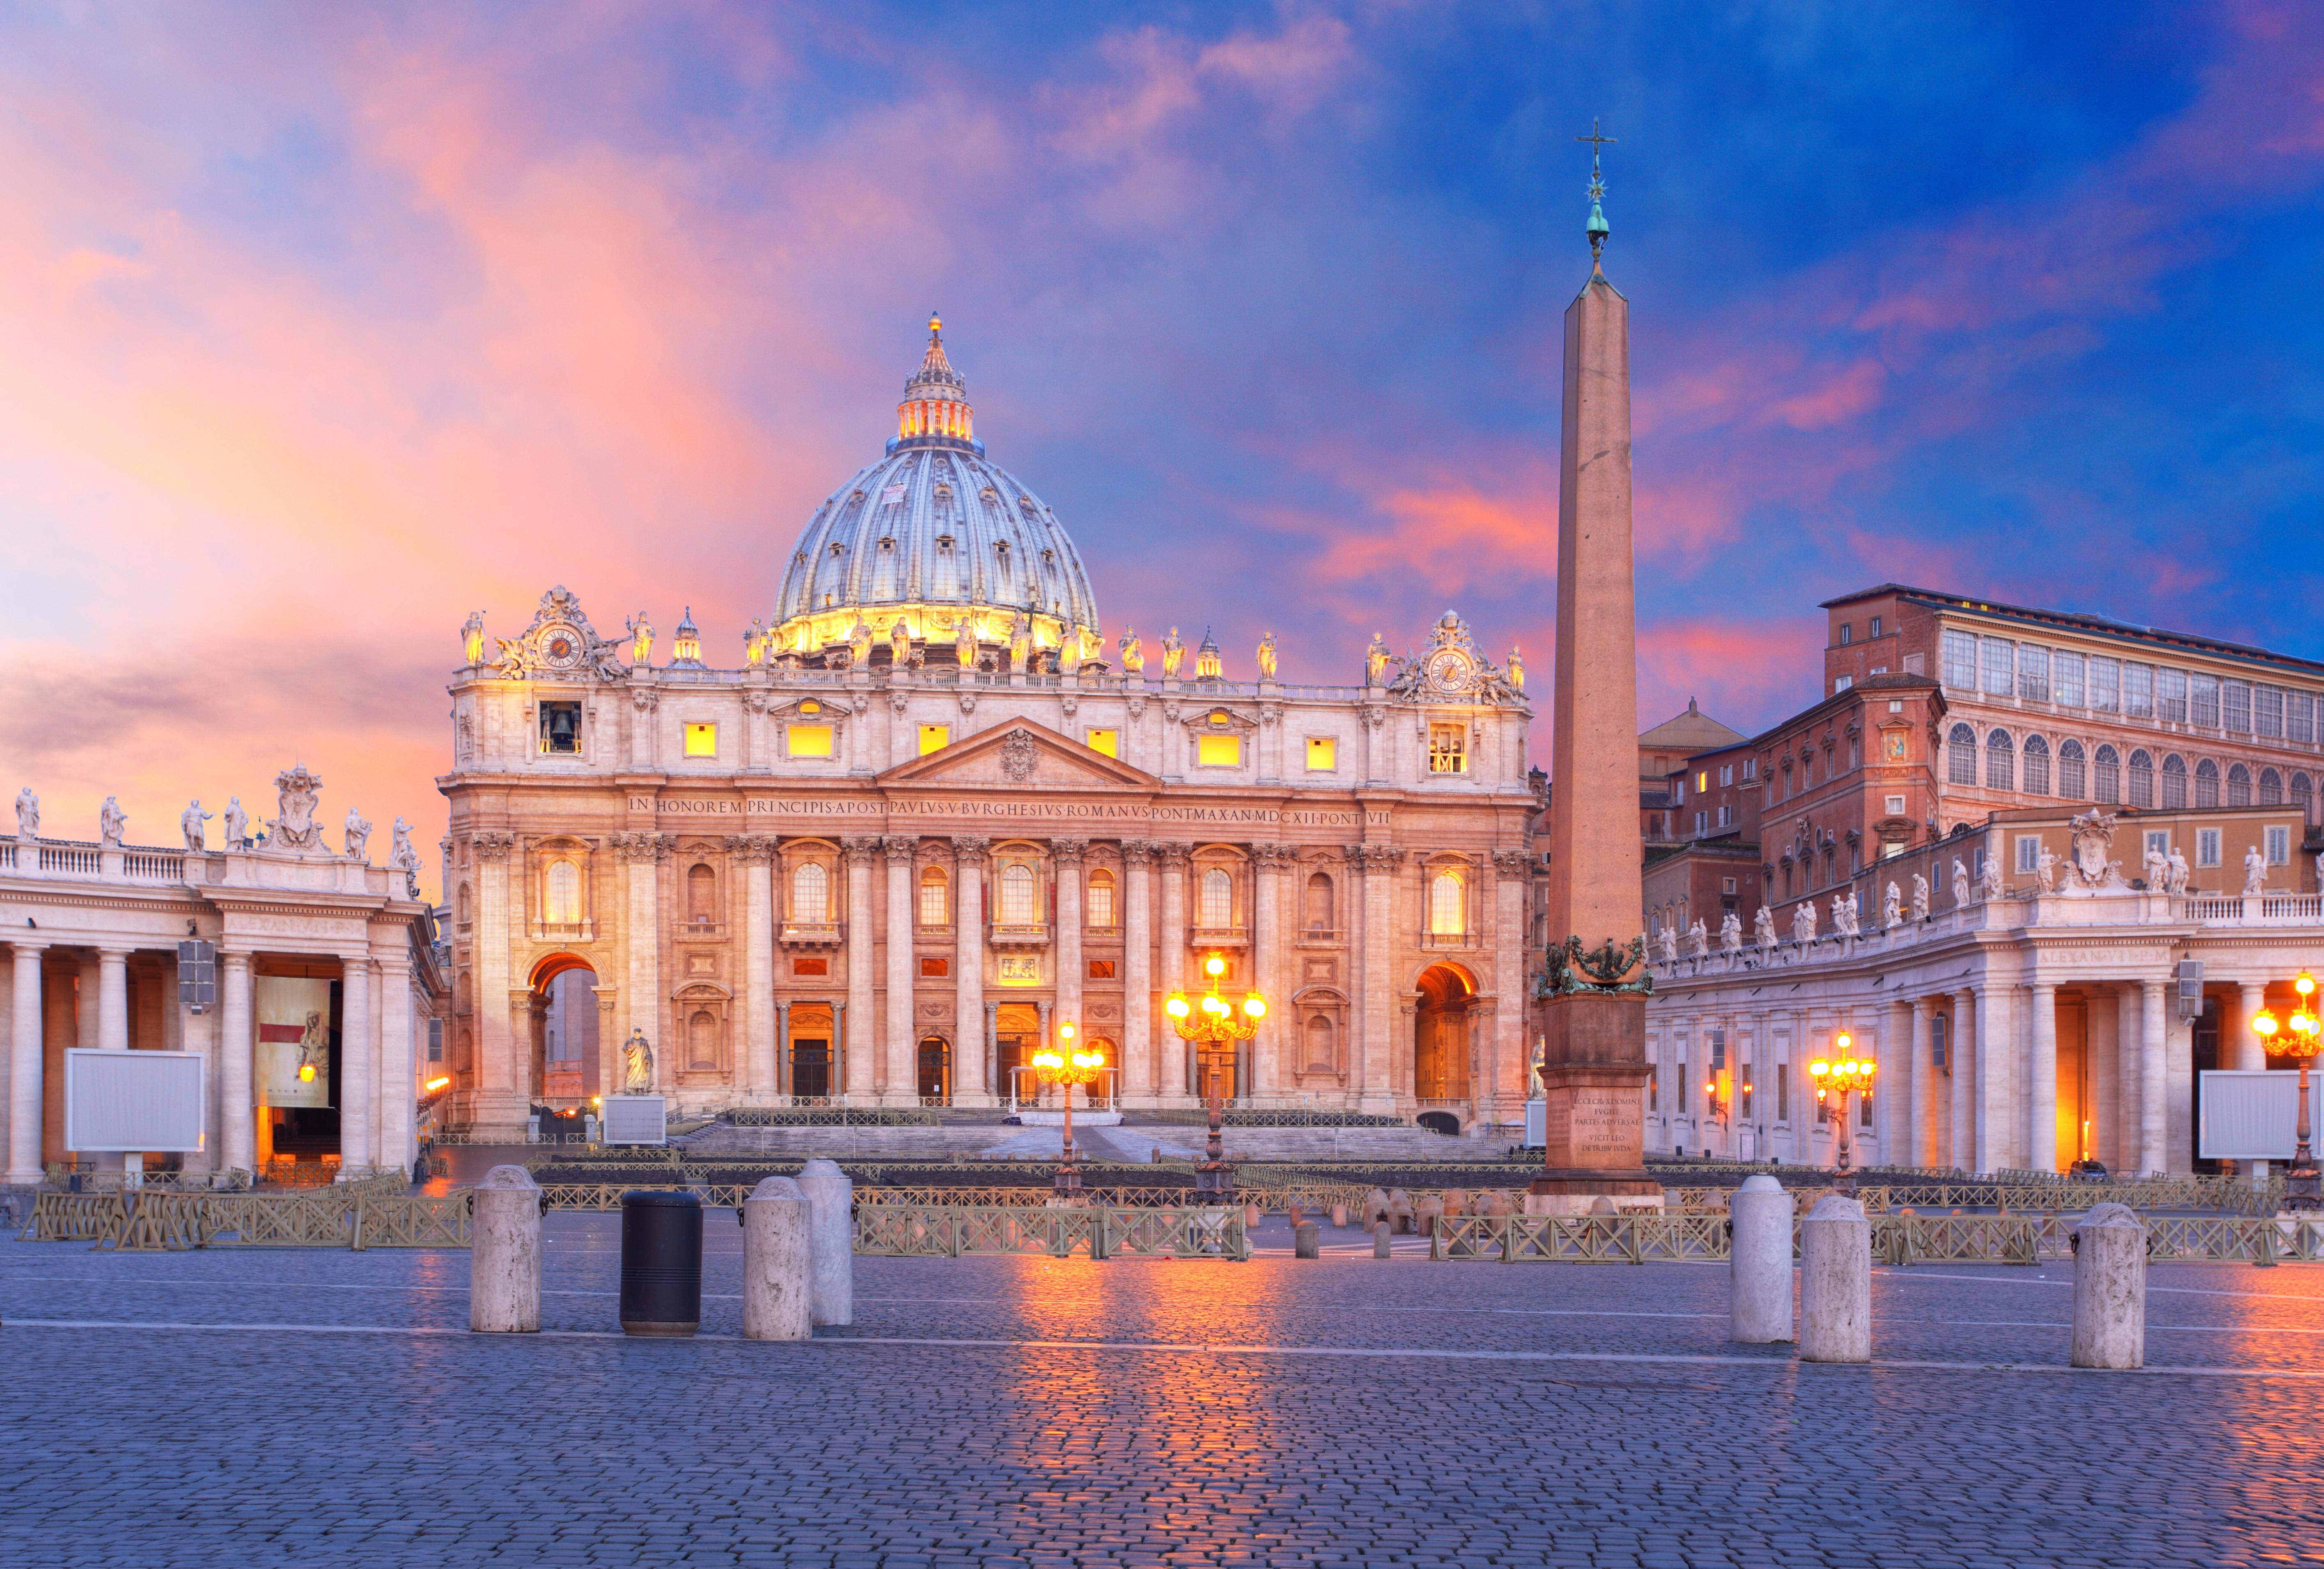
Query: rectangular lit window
point(2207, 847)
point(1105, 743)
point(2279, 845)
point(701, 740)
point(934, 738)
point(1101, 969)
point(1702, 781)
point(1218, 751)
point(934, 969)
point(1323, 754)
point(807, 740)
point(1448, 748)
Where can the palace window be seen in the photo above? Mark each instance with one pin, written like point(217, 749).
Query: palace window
point(807, 740)
point(934, 738)
point(935, 899)
point(2138, 690)
point(1999, 657)
point(2066, 679)
point(435, 1040)
point(1961, 660)
point(1323, 754)
point(1876, 626)
point(1846, 633)
point(2279, 845)
point(2069, 771)
point(2174, 782)
point(702, 739)
point(561, 728)
point(2105, 682)
point(1446, 917)
point(2207, 783)
point(2033, 674)
point(2207, 847)
point(2239, 786)
point(811, 894)
point(2267, 711)
point(2171, 696)
point(934, 969)
point(1217, 909)
point(2029, 852)
point(2203, 702)
point(2270, 788)
point(1448, 748)
point(1318, 902)
point(1218, 750)
point(2037, 766)
point(2142, 779)
point(1101, 898)
point(2302, 794)
point(2000, 762)
point(1961, 756)
point(1105, 743)
point(2235, 707)
point(2299, 716)
point(561, 902)
point(1018, 888)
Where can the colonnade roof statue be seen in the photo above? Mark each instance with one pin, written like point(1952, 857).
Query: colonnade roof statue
point(934, 536)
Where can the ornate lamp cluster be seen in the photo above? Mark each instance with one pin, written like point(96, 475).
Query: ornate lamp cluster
point(1849, 1076)
point(2298, 1036)
point(1214, 1027)
point(1066, 1064)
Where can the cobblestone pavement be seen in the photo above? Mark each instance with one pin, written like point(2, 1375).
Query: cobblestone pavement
point(327, 1409)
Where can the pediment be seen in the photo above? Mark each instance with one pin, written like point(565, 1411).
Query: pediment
point(1020, 754)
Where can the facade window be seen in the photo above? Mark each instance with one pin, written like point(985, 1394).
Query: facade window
point(2106, 684)
point(1323, 754)
point(1961, 756)
point(1101, 898)
point(435, 1040)
point(2069, 771)
point(1895, 806)
point(1783, 1092)
point(2037, 766)
point(1701, 823)
point(1217, 911)
point(701, 739)
point(2270, 788)
point(934, 738)
point(2203, 701)
point(1961, 660)
point(2029, 852)
point(2235, 707)
point(2267, 711)
point(2299, 716)
point(561, 894)
point(2066, 679)
point(1937, 1042)
point(807, 740)
point(1019, 904)
point(2033, 674)
point(1846, 633)
point(810, 894)
point(1999, 656)
point(560, 729)
point(1726, 774)
point(934, 969)
point(2171, 696)
point(1876, 626)
point(1448, 748)
point(2207, 847)
point(1319, 903)
point(1445, 915)
point(2279, 845)
point(2142, 779)
point(1218, 750)
point(1842, 683)
point(2174, 784)
point(1750, 769)
point(2000, 762)
point(2207, 783)
point(2302, 794)
point(1105, 743)
point(701, 896)
point(2239, 786)
point(935, 899)
point(2138, 690)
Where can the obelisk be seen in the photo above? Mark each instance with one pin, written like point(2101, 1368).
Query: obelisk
point(1594, 1053)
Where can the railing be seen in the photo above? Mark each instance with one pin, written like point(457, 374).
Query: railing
point(153, 865)
point(71, 860)
point(1645, 1237)
point(354, 1215)
point(7, 855)
point(816, 1113)
point(1099, 1231)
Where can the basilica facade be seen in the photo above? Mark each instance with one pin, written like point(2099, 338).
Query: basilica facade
point(933, 813)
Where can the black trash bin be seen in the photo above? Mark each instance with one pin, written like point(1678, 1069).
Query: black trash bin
point(661, 1263)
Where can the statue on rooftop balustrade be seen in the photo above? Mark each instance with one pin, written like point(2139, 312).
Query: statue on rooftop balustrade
point(112, 822)
point(28, 813)
point(190, 821)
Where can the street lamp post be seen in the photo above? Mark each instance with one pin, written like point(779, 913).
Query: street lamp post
point(1214, 1026)
point(1065, 1066)
point(2298, 1038)
point(1838, 1080)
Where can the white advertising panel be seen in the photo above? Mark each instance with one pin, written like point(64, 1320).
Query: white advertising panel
point(133, 1101)
point(1536, 1134)
point(636, 1120)
point(2248, 1115)
point(293, 1057)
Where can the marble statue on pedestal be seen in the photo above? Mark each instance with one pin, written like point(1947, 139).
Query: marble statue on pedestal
point(1375, 657)
point(1920, 896)
point(2179, 871)
point(2158, 871)
point(1667, 945)
point(1960, 882)
point(1133, 652)
point(238, 824)
point(1763, 927)
point(900, 644)
point(1267, 655)
point(2254, 871)
point(636, 1065)
point(1173, 652)
point(1891, 907)
point(112, 822)
point(2046, 870)
point(1803, 921)
point(1731, 934)
point(1698, 940)
point(190, 822)
point(404, 858)
point(28, 813)
point(358, 832)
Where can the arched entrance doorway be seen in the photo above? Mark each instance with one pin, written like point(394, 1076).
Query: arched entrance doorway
point(934, 1075)
point(1440, 1045)
point(564, 1063)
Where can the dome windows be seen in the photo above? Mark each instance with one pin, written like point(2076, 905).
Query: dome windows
point(837, 548)
point(944, 544)
point(887, 544)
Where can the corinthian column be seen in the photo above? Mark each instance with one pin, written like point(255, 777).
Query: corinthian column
point(1506, 1096)
point(498, 1103)
point(398, 1074)
point(358, 1063)
point(1174, 1074)
point(25, 1055)
point(903, 1086)
point(641, 855)
point(1068, 856)
point(1379, 863)
point(1266, 1048)
point(860, 849)
point(237, 1040)
point(1137, 1044)
point(755, 854)
point(968, 1053)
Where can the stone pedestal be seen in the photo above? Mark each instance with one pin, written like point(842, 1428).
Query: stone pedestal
point(1593, 1088)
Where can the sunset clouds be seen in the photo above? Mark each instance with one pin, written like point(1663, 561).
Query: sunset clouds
point(323, 327)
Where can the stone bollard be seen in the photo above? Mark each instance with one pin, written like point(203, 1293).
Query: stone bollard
point(1759, 1263)
point(831, 1247)
point(1338, 1217)
point(778, 1262)
point(1375, 1207)
point(1307, 1240)
point(1835, 1282)
point(1494, 1203)
point(1294, 1212)
point(1251, 1215)
point(1399, 1209)
point(504, 1254)
point(2110, 1289)
point(1426, 1213)
point(1380, 1249)
point(1457, 1203)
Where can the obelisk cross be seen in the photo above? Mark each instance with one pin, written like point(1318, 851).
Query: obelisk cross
point(1598, 228)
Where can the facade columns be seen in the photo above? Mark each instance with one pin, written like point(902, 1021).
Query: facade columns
point(757, 854)
point(2152, 1155)
point(1894, 1102)
point(2042, 1102)
point(1067, 856)
point(237, 1040)
point(2130, 1079)
point(1510, 1058)
point(1178, 1079)
point(398, 1072)
point(113, 998)
point(1266, 1049)
point(499, 1103)
point(782, 1080)
point(1920, 1081)
point(992, 1049)
point(2250, 1053)
point(903, 1086)
point(1379, 863)
point(1993, 1056)
point(1137, 1045)
point(358, 1064)
point(860, 957)
point(26, 1041)
point(641, 857)
point(968, 966)
point(1967, 1049)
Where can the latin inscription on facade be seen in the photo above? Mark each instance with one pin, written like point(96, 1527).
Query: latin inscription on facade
point(1109, 811)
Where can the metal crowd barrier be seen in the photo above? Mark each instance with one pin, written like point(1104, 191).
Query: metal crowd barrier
point(1097, 1231)
point(1646, 1237)
point(345, 1217)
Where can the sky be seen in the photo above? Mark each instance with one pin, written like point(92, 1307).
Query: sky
point(322, 327)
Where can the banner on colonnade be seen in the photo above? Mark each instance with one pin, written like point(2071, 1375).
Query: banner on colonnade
point(294, 1066)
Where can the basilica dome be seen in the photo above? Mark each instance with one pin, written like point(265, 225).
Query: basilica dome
point(938, 538)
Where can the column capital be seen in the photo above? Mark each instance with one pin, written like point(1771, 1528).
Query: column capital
point(751, 849)
point(970, 848)
point(1138, 852)
point(24, 946)
point(1068, 851)
point(858, 848)
point(900, 848)
point(115, 950)
point(494, 846)
point(1175, 856)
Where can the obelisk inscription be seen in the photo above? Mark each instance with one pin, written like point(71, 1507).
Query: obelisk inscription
point(1594, 1060)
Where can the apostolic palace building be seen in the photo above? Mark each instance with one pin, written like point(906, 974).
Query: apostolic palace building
point(932, 812)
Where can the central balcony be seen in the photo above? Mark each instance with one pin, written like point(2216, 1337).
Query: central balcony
point(1019, 934)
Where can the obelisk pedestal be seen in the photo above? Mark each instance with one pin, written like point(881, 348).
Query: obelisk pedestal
point(1594, 1024)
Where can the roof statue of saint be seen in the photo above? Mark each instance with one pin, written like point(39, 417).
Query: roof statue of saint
point(939, 539)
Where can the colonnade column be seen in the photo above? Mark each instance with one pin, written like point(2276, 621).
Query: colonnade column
point(968, 1048)
point(903, 1087)
point(1381, 862)
point(113, 998)
point(757, 854)
point(1919, 1080)
point(25, 1040)
point(398, 1073)
point(1967, 1050)
point(860, 957)
point(1266, 1048)
point(782, 1080)
point(496, 1042)
point(358, 1063)
point(238, 1146)
point(1172, 1074)
point(2130, 1071)
point(1137, 1045)
point(1993, 1076)
point(1900, 1058)
point(2042, 1102)
point(2153, 1086)
point(1067, 855)
point(1510, 986)
point(641, 855)
point(2250, 1054)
